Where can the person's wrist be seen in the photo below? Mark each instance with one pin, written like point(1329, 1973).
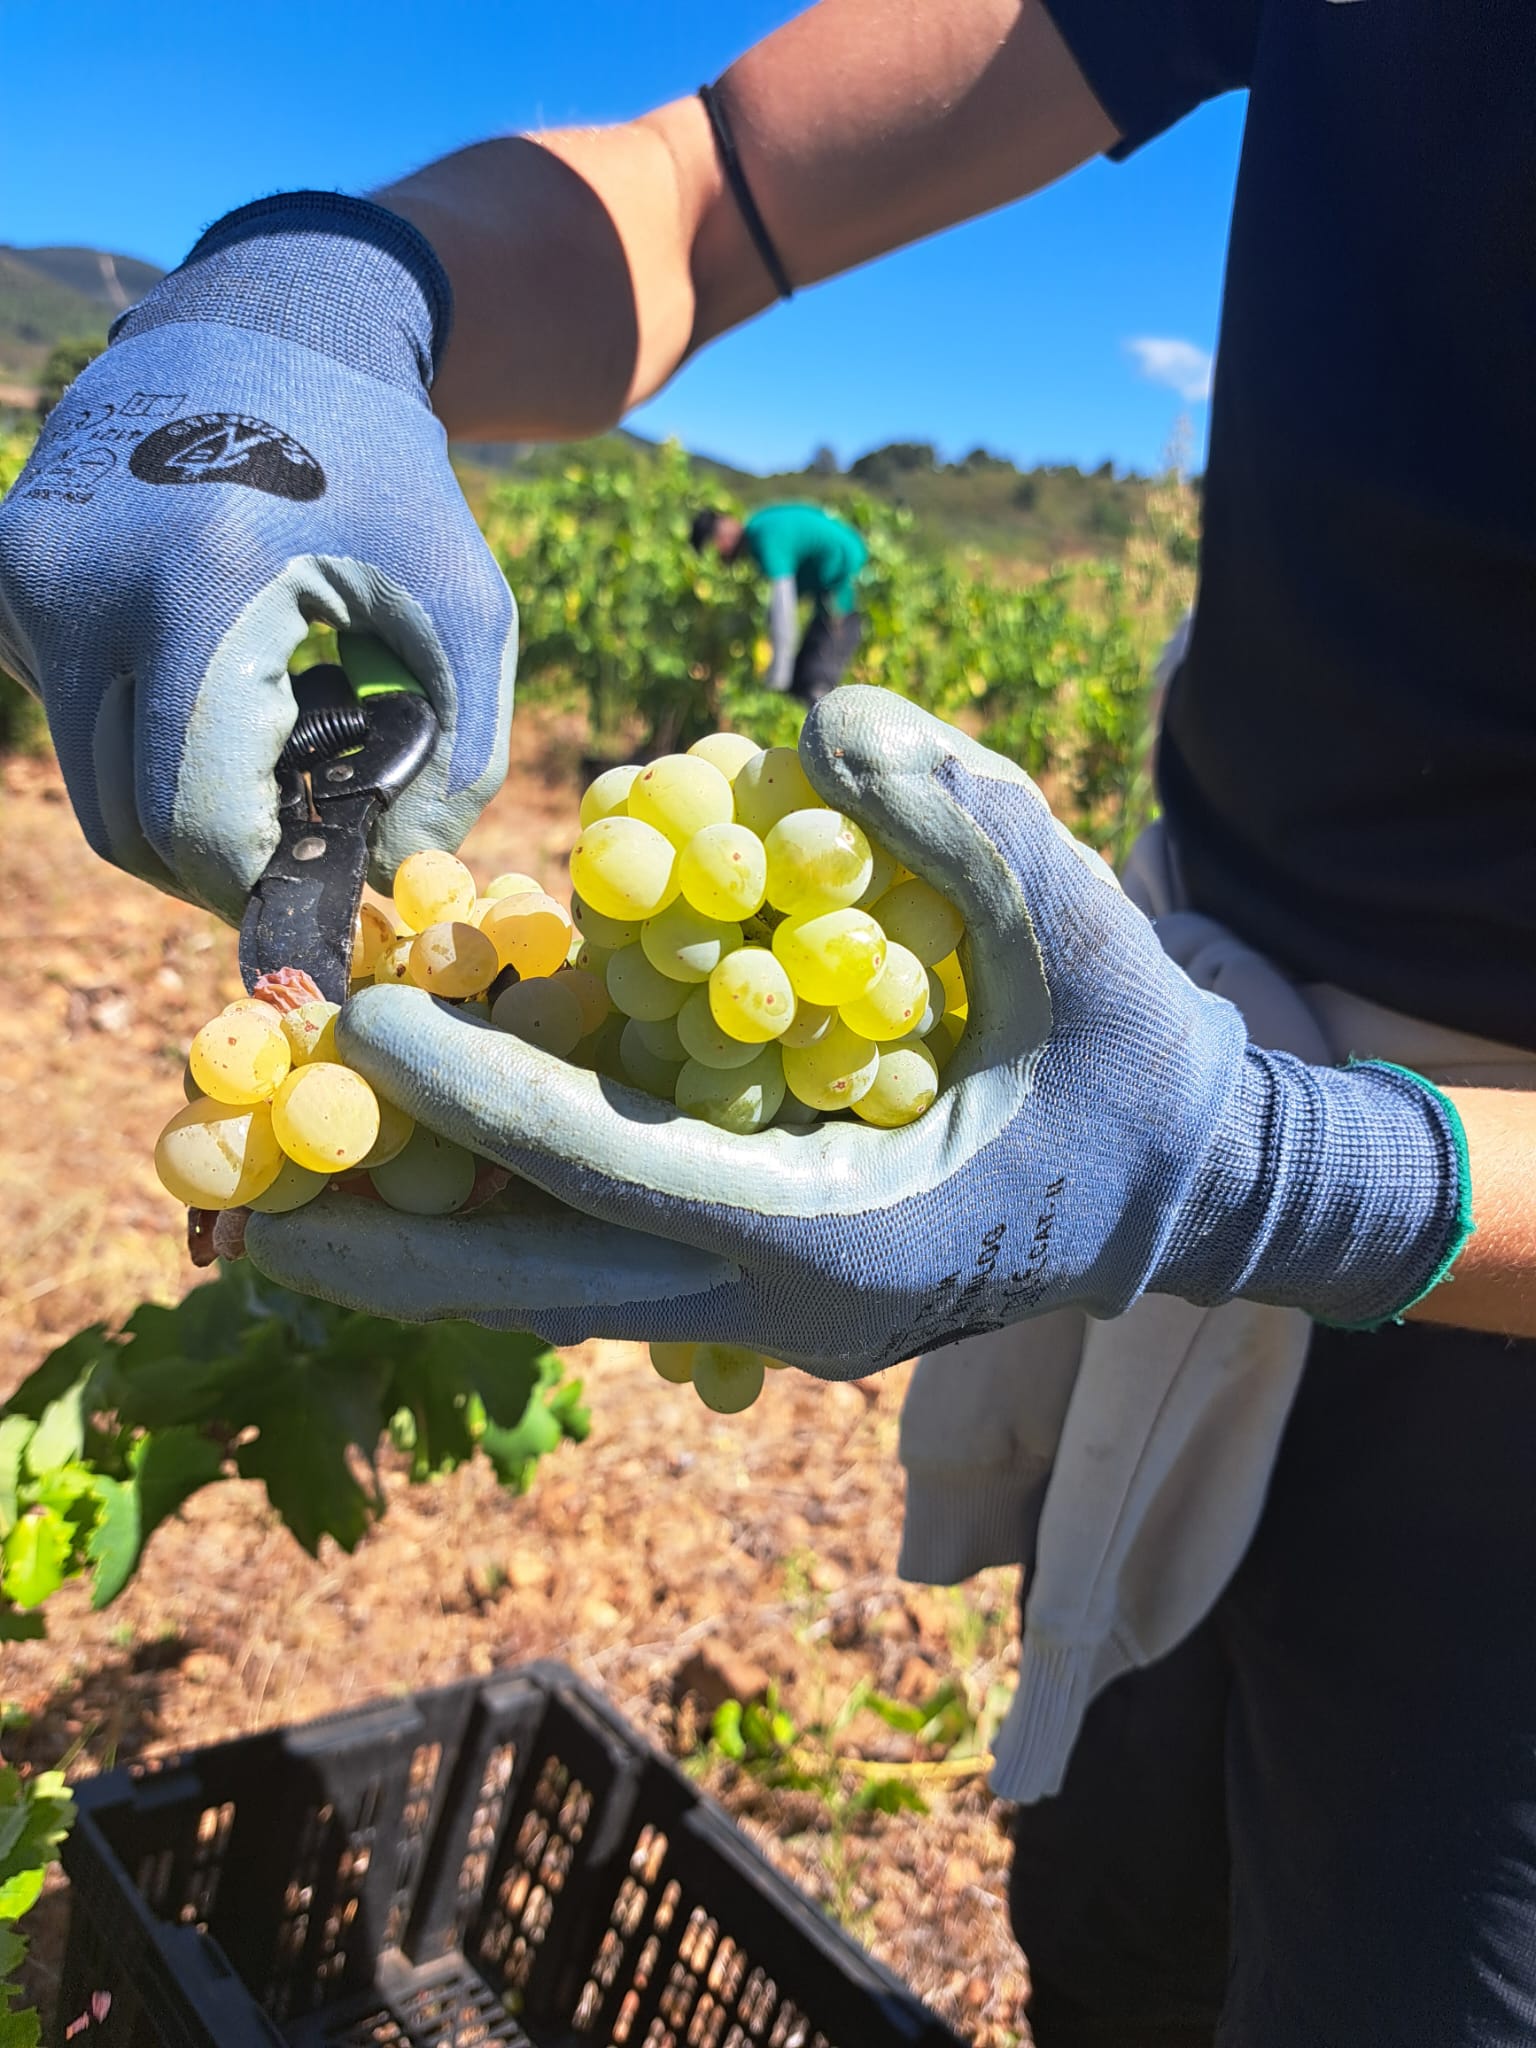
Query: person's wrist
point(1340, 1191)
point(323, 270)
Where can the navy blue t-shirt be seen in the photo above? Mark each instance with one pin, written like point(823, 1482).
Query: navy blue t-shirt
point(1349, 759)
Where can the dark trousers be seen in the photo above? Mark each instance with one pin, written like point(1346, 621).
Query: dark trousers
point(831, 641)
point(1314, 1824)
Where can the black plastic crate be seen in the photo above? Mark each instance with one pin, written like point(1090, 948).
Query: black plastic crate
point(500, 1861)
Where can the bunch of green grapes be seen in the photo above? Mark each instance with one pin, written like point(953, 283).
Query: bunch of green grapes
point(733, 946)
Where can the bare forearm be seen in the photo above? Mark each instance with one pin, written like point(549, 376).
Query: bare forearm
point(1493, 1286)
point(587, 264)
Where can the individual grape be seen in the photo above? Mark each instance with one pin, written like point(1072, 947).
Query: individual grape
point(703, 1039)
point(727, 1377)
point(817, 860)
point(371, 933)
point(311, 1032)
point(728, 751)
point(592, 998)
point(659, 1035)
point(750, 996)
point(674, 1362)
point(542, 1012)
point(511, 884)
point(644, 1068)
point(608, 932)
point(943, 1041)
point(216, 1155)
point(769, 786)
point(884, 872)
point(723, 871)
point(895, 1006)
point(598, 1052)
point(395, 1132)
point(641, 990)
point(429, 1177)
point(595, 959)
point(475, 1006)
point(916, 916)
point(624, 868)
point(394, 963)
point(189, 1087)
point(294, 1186)
point(809, 1025)
point(573, 950)
point(326, 1117)
point(680, 794)
point(831, 956)
point(795, 1115)
point(835, 1072)
point(240, 1058)
point(433, 888)
point(248, 1006)
point(685, 945)
point(741, 1099)
point(608, 795)
point(905, 1083)
point(957, 1001)
point(529, 932)
point(454, 960)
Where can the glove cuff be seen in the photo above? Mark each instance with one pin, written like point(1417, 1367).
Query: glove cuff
point(335, 274)
point(1341, 1191)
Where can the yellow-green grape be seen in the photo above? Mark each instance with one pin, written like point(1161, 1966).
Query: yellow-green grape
point(957, 1001)
point(215, 1155)
point(795, 1115)
point(429, 1177)
point(728, 751)
point(189, 1087)
point(742, 1099)
point(704, 1040)
point(294, 1186)
point(674, 1362)
point(396, 1130)
point(394, 963)
point(727, 1377)
point(372, 932)
point(817, 860)
point(809, 1025)
point(723, 871)
point(624, 868)
point(768, 787)
point(454, 960)
point(750, 997)
point(433, 888)
point(835, 1072)
point(478, 1007)
point(595, 958)
point(598, 1052)
point(592, 998)
point(680, 794)
point(247, 1006)
point(895, 1006)
point(241, 1056)
point(943, 1040)
point(573, 950)
point(542, 1012)
point(326, 1117)
point(608, 794)
point(884, 872)
point(916, 916)
point(641, 990)
point(530, 932)
point(608, 932)
point(905, 1083)
point(512, 883)
point(659, 1035)
point(644, 1068)
point(831, 956)
point(311, 1032)
point(679, 941)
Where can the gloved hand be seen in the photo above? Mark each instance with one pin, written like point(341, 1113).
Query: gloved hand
point(1105, 1128)
point(254, 451)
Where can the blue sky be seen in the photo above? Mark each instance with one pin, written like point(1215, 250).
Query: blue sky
point(1071, 328)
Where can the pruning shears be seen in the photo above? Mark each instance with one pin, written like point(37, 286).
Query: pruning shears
point(364, 732)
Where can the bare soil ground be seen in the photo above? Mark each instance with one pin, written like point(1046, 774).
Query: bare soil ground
point(771, 1538)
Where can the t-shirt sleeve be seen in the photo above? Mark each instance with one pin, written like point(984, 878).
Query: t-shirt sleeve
point(1151, 62)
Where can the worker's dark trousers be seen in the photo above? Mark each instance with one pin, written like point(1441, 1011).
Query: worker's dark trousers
point(831, 641)
point(1314, 1824)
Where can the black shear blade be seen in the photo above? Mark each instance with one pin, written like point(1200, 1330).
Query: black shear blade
point(302, 911)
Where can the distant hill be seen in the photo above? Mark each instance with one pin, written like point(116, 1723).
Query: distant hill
point(53, 295)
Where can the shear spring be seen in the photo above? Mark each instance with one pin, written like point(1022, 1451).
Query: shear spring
point(331, 729)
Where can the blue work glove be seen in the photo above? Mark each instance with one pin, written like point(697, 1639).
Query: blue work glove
point(254, 451)
point(1104, 1129)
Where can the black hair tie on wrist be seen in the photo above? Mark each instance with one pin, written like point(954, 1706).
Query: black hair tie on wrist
point(735, 177)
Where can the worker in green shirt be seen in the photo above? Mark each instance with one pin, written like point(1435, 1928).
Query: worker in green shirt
point(804, 552)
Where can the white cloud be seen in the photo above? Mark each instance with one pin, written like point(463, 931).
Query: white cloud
point(1178, 364)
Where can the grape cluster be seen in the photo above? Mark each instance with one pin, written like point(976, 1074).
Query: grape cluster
point(733, 946)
